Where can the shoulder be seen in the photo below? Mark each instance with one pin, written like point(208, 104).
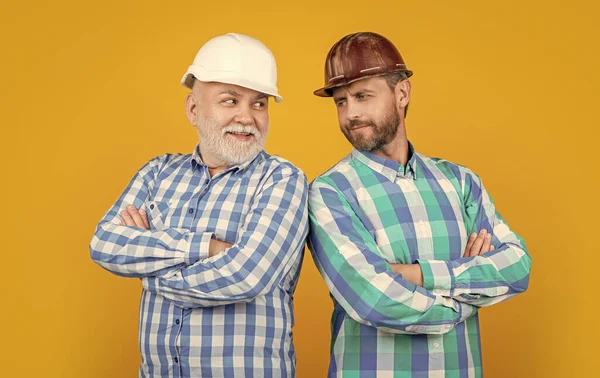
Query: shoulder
point(167, 163)
point(274, 169)
point(448, 168)
point(337, 176)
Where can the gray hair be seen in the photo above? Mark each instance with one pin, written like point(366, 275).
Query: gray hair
point(393, 79)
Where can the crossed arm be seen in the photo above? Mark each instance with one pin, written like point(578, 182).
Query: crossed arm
point(477, 245)
point(429, 296)
point(133, 217)
point(193, 269)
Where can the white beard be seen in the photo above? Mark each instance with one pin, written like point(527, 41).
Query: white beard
point(225, 149)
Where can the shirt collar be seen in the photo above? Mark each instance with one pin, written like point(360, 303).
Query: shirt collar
point(196, 160)
point(389, 168)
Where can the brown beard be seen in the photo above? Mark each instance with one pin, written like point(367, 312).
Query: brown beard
point(383, 132)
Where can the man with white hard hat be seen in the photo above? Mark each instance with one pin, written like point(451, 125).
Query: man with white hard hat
point(217, 236)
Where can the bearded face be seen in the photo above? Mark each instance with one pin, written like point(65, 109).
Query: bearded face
point(232, 122)
point(231, 144)
point(368, 134)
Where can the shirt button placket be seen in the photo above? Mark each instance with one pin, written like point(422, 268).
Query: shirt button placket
point(176, 359)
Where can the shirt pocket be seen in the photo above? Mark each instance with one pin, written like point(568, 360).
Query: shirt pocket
point(157, 214)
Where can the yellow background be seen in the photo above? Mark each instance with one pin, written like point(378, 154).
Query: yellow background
point(89, 91)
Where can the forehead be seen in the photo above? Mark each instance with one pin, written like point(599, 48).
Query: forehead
point(216, 88)
point(373, 84)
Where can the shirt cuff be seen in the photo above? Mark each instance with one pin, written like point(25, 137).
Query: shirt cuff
point(437, 276)
point(198, 248)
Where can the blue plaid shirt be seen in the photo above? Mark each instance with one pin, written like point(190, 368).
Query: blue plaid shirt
point(226, 315)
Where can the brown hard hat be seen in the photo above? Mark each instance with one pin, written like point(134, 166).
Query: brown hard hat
point(359, 56)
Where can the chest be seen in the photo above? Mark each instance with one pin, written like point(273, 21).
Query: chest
point(199, 203)
point(411, 219)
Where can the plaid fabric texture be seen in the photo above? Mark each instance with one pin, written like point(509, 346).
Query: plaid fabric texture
point(367, 212)
point(230, 315)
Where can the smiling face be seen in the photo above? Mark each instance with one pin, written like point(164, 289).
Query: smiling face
point(232, 122)
point(370, 113)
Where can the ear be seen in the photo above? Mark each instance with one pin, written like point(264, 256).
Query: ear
point(191, 109)
point(402, 92)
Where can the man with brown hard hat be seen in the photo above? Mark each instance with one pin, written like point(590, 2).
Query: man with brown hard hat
point(409, 246)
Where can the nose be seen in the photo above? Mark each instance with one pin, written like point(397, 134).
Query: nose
point(352, 111)
point(244, 116)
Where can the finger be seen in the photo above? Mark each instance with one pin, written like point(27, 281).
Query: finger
point(225, 245)
point(476, 248)
point(127, 218)
point(144, 216)
point(135, 214)
point(492, 248)
point(470, 244)
point(216, 246)
point(485, 247)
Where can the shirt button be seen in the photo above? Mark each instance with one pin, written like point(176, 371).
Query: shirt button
point(177, 321)
point(191, 211)
point(437, 345)
point(176, 360)
point(207, 181)
point(152, 207)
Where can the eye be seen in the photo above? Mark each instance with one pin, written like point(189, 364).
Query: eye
point(229, 101)
point(259, 104)
point(340, 103)
point(361, 97)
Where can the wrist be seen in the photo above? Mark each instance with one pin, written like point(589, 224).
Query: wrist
point(417, 274)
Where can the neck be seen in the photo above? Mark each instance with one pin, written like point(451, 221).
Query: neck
point(397, 149)
point(212, 171)
point(214, 165)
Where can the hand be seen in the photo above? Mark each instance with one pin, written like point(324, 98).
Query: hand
point(479, 244)
point(217, 246)
point(138, 218)
point(134, 218)
point(410, 272)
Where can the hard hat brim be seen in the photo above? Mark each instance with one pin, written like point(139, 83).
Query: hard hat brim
point(327, 91)
point(193, 73)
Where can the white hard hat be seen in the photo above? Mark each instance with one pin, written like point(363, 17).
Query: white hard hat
point(235, 59)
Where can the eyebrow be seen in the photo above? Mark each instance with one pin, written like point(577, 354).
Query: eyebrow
point(358, 92)
point(361, 91)
point(232, 92)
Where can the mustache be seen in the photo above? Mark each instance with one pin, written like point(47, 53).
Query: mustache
point(239, 128)
point(356, 123)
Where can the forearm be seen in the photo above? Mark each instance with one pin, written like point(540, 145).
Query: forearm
point(410, 272)
point(398, 306)
point(481, 280)
point(362, 282)
point(270, 244)
point(234, 290)
point(134, 252)
point(371, 293)
point(490, 277)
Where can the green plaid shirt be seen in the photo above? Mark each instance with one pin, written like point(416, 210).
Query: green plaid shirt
point(367, 212)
